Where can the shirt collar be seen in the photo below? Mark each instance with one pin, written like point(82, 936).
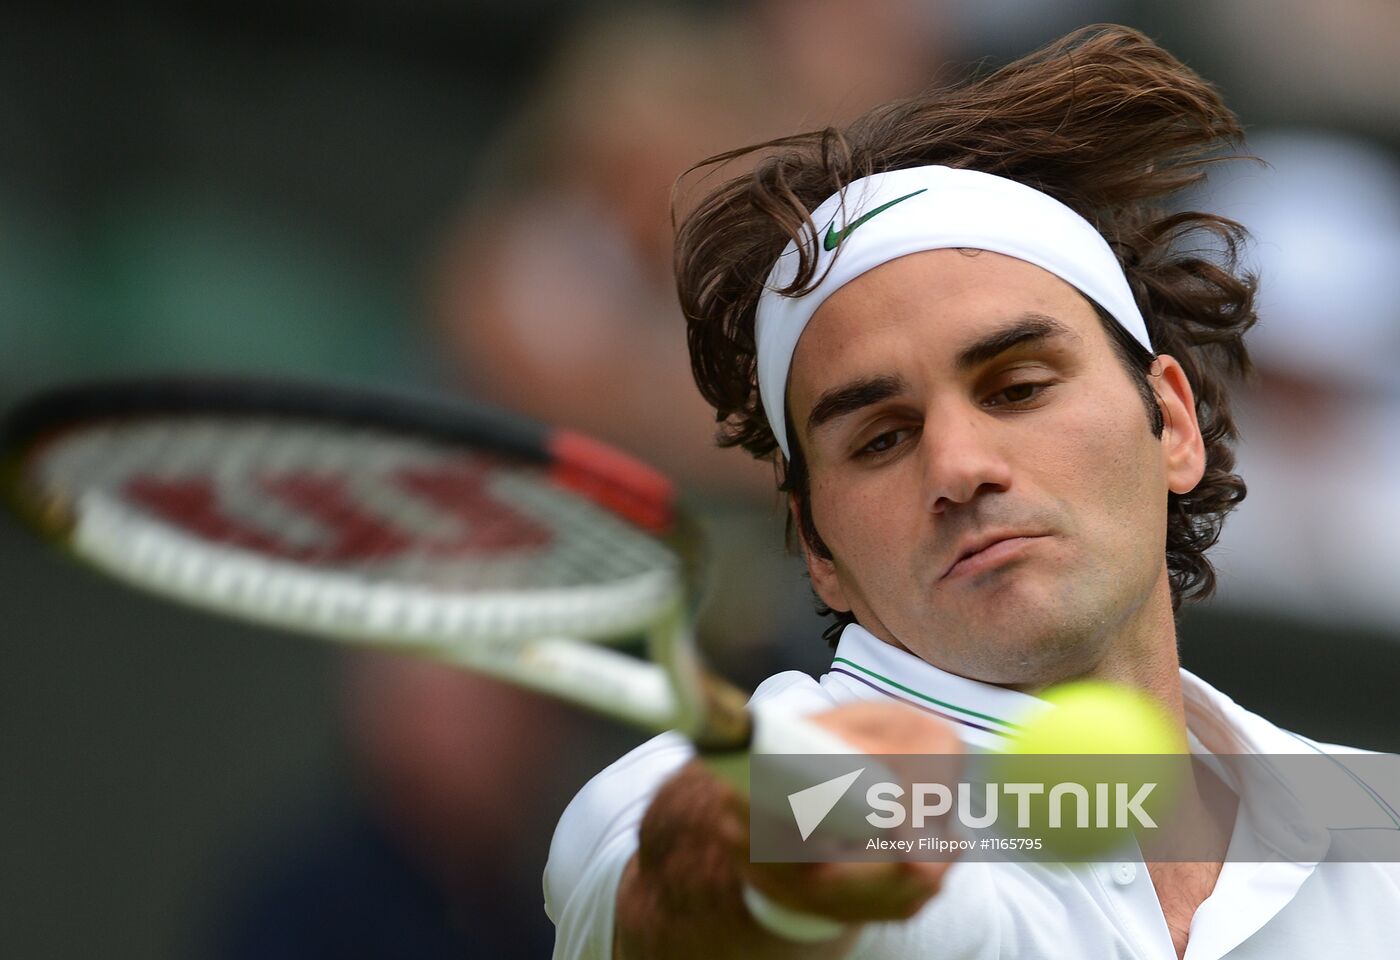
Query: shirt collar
point(982, 709)
point(984, 714)
point(1223, 726)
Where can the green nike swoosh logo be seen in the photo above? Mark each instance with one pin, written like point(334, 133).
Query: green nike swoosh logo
point(834, 237)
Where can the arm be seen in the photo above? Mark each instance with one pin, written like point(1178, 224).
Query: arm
point(681, 893)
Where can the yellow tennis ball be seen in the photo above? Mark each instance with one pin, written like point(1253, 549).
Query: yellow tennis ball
point(1097, 717)
point(1091, 753)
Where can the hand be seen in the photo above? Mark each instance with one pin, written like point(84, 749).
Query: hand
point(681, 894)
point(854, 892)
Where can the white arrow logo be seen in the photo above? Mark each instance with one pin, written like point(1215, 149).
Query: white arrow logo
point(810, 806)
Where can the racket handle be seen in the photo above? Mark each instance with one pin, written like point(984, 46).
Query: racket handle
point(724, 724)
point(790, 735)
point(782, 731)
point(777, 731)
point(790, 924)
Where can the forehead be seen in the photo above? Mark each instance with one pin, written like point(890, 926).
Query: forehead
point(928, 306)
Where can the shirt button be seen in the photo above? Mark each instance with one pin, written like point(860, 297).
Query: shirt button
point(1124, 873)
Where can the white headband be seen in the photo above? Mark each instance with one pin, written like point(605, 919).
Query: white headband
point(907, 211)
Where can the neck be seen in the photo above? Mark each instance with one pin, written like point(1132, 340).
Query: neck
point(1145, 656)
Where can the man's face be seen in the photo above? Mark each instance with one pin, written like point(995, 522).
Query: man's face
point(983, 469)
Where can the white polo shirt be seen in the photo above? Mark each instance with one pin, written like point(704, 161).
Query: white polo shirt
point(1268, 911)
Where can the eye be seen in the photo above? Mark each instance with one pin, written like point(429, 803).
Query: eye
point(884, 442)
point(1018, 394)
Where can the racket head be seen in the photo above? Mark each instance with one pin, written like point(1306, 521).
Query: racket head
point(373, 517)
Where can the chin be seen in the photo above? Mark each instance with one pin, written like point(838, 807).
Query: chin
point(1023, 639)
point(1014, 600)
point(1028, 664)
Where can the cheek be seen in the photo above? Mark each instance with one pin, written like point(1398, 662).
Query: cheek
point(864, 516)
point(1111, 467)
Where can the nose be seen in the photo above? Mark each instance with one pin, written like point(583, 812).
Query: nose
point(961, 460)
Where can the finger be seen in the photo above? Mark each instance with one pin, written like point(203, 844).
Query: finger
point(890, 728)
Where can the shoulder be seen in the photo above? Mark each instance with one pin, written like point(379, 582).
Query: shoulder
point(608, 809)
point(1352, 793)
point(1320, 746)
point(796, 691)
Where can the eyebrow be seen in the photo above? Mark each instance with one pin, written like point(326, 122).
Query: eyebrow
point(1025, 330)
point(850, 397)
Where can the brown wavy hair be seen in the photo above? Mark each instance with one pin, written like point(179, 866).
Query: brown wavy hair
point(1103, 120)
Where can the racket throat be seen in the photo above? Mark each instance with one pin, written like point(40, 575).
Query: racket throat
point(710, 711)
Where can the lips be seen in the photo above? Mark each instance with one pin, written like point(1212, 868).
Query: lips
point(970, 548)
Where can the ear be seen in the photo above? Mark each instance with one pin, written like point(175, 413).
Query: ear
point(1183, 450)
point(825, 580)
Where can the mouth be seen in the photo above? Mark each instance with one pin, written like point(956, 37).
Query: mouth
point(989, 553)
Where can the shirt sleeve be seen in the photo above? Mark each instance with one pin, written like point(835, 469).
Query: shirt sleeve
point(595, 838)
point(597, 833)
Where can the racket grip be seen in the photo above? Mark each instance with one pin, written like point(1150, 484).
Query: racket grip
point(792, 735)
point(776, 730)
point(772, 730)
point(798, 749)
point(790, 924)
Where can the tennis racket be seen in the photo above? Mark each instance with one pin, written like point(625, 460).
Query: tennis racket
point(531, 554)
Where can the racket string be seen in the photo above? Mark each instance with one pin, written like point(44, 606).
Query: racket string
point(286, 514)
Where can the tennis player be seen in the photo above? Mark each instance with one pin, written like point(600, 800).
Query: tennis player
point(993, 375)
